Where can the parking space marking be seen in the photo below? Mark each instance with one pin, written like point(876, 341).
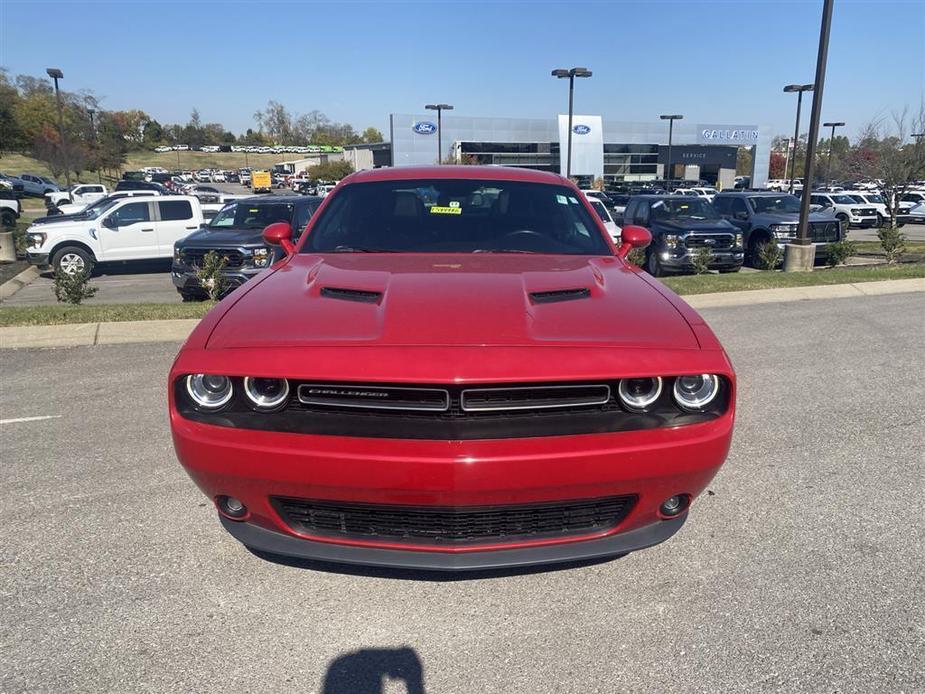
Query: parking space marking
point(30, 419)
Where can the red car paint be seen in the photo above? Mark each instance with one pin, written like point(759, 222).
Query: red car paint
point(451, 319)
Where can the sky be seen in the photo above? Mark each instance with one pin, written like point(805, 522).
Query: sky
point(714, 62)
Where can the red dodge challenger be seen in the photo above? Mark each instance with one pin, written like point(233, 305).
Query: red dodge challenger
point(453, 368)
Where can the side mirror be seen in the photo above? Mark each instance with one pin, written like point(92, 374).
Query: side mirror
point(741, 215)
point(279, 234)
point(633, 237)
point(109, 223)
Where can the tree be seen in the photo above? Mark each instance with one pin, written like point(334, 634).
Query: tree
point(11, 136)
point(887, 152)
point(371, 135)
point(152, 134)
point(330, 170)
point(744, 161)
point(776, 167)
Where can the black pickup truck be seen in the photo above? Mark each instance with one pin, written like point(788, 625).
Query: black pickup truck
point(681, 226)
point(236, 233)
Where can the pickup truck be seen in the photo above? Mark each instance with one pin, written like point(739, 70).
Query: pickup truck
point(81, 194)
point(121, 230)
point(681, 227)
point(761, 216)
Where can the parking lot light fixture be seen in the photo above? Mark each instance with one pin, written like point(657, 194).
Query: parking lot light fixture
point(671, 119)
point(571, 74)
point(56, 74)
point(799, 89)
point(828, 165)
point(439, 108)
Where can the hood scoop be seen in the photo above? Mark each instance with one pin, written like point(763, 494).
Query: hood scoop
point(361, 295)
point(556, 295)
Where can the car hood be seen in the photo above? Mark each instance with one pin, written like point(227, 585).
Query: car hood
point(223, 237)
point(424, 299)
point(790, 218)
point(710, 225)
point(60, 218)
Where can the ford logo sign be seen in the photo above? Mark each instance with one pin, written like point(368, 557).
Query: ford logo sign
point(424, 127)
point(581, 129)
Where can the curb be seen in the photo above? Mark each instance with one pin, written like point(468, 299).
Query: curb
point(11, 286)
point(117, 333)
point(825, 291)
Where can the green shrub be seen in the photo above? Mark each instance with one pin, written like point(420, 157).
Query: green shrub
point(637, 257)
point(893, 243)
point(211, 276)
point(770, 254)
point(839, 252)
point(701, 260)
point(72, 289)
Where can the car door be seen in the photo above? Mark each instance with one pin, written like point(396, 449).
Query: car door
point(175, 220)
point(128, 232)
point(738, 214)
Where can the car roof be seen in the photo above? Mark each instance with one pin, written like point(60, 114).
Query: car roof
point(752, 193)
point(481, 173)
point(285, 199)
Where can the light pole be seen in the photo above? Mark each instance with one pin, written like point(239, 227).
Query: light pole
point(56, 75)
point(828, 165)
point(821, 59)
point(671, 120)
point(562, 73)
point(799, 89)
point(439, 108)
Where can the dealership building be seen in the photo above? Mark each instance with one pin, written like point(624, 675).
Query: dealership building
point(612, 150)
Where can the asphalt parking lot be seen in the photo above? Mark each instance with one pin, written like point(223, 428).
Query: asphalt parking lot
point(801, 571)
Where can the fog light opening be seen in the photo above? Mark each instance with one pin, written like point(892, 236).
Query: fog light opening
point(674, 505)
point(231, 507)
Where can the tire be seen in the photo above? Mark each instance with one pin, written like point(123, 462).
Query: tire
point(8, 220)
point(190, 295)
point(73, 259)
point(653, 267)
point(753, 257)
point(881, 221)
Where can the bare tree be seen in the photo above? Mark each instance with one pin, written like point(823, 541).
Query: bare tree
point(887, 152)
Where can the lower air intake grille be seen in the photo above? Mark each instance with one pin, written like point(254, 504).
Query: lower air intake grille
point(460, 525)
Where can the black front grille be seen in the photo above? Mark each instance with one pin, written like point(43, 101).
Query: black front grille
point(453, 525)
point(823, 232)
point(717, 242)
point(196, 256)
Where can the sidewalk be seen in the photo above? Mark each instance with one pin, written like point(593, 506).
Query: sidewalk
point(85, 334)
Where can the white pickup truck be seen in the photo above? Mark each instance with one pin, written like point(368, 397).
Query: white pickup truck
point(123, 230)
point(9, 211)
point(81, 194)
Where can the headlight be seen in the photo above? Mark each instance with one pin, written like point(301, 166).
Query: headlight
point(739, 238)
point(177, 255)
point(671, 240)
point(266, 393)
point(639, 393)
point(208, 391)
point(693, 393)
point(261, 257)
point(784, 230)
point(36, 239)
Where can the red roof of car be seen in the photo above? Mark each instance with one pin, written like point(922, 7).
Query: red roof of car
point(488, 173)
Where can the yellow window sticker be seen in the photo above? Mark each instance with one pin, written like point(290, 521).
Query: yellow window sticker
point(445, 210)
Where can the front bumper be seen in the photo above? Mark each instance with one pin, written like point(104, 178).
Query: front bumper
point(864, 222)
point(672, 259)
point(39, 259)
point(184, 277)
point(254, 466)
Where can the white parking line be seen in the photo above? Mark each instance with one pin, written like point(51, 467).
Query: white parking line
point(30, 419)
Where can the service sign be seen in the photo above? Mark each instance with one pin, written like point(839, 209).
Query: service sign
point(727, 135)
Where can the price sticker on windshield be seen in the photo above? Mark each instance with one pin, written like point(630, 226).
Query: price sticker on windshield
point(452, 208)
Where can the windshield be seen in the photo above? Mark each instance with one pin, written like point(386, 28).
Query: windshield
point(97, 208)
point(457, 216)
point(843, 199)
point(251, 216)
point(775, 204)
point(876, 199)
point(601, 210)
point(684, 208)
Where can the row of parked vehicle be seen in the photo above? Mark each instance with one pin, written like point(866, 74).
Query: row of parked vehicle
point(252, 149)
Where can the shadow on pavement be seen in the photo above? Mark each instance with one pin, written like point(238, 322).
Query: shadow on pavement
point(364, 671)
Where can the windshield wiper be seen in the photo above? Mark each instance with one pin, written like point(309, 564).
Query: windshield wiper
point(358, 249)
point(502, 250)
